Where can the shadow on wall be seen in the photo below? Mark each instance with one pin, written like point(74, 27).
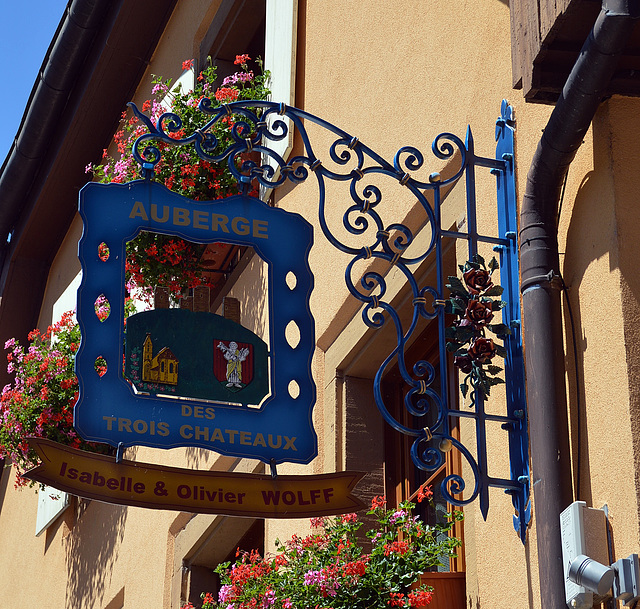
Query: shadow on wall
point(580, 253)
point(604, 222)
point(199, 458)
point(625, 134)
point(91, 551)
point(253, 297)
point(5, 474)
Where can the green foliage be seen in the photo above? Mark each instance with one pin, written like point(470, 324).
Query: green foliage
point(331, 568)
point(163, 260)
point(41, 398)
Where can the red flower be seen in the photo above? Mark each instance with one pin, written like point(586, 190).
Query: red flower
point(478, 313)
point(227, 94)
point(420, 598)
point(477, 280)
point(240, 59)
point(378, 502)
point(396, 599)
point(66, 383)
point(482, 350)
point(355, 568)
point(424, 492)
point(188, 64)
point(464, 362)
point(398, 547)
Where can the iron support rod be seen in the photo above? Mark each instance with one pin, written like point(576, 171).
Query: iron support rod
point(541, 302)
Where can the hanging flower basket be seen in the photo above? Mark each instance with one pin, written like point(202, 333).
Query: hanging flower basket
point(332, 568)
point(164, 260)
point(41, 398)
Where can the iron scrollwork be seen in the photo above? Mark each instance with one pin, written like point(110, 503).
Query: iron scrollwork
point(259, 124)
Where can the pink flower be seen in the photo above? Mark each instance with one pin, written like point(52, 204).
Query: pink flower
point(159, 88)
point(225, 593)
point(397, 515)
point(269, 599)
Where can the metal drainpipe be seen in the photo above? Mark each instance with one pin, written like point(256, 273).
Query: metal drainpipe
point(541, 286)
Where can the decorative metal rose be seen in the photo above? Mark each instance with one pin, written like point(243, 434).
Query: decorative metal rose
point(474, 301)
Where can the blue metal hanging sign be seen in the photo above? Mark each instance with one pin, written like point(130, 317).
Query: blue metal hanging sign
point(167, 397)
point(182, 378)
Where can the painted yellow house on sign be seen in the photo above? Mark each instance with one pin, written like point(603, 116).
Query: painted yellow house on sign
point(163, 368)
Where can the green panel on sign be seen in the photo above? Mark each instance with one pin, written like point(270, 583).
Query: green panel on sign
point(198, 355)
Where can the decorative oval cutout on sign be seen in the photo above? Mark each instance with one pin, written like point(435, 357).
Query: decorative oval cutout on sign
point(102, 307)
point(292, 280)
point(294, 389)
point(100, 365)
point(103, 252)
point(292, 334)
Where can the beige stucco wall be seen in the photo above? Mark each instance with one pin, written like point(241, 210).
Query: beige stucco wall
point(97, 555)
point(393, 74)
point(417, 73)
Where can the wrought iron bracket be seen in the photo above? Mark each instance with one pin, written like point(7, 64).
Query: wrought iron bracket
point(366, 235)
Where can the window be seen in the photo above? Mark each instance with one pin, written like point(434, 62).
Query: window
point(259, 28)
point(266, 29)
point(216, 549)
point(52, 502)
point(402, 477)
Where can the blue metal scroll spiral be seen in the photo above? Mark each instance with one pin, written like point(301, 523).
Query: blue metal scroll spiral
point(259, 123)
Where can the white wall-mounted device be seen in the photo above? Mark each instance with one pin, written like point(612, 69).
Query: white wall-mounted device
point(584, 545)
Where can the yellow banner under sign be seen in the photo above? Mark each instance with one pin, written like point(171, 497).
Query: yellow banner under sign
point(170, 488)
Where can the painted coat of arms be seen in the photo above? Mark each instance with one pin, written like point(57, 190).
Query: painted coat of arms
point(233, 364)
point(195, 355)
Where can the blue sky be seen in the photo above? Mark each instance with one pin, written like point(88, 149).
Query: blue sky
point(28, 27)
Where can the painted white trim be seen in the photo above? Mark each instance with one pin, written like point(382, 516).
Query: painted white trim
point(280, 59)
point(185, 83)
point(51, 501)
